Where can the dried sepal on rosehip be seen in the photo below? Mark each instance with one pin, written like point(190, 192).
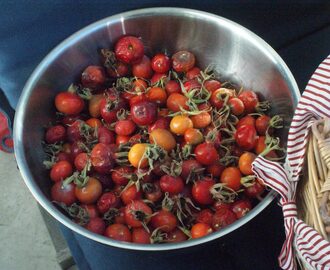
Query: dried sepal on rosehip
point(51, 151)
point(110, 215)
point(272, 145)
point(221, 192)
point(138, 214)
point(76, 212)
point(114, 67)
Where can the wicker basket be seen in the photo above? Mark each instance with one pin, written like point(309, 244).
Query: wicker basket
point(314, 188)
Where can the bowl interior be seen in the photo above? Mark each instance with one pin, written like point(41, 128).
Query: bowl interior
point(234, 52)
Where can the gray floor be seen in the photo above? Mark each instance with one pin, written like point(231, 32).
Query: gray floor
point(25, 242)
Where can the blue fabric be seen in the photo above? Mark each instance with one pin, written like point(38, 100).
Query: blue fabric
point(253, 246)
point(29, 29)
point(75, 248)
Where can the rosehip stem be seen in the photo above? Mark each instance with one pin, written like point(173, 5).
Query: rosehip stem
point(232, 121)
point(167, 202)
point(199, 95)
point(272, 144)
point(226, 160)
point(148, 187)
point(76, 212)
point(179, 211)
point(69, 179)
point(49, 163)
point(110, 215)
point(186, 151)
point(248, 181)
point(220, 117)
point(153, 153)
point(212, 135)
point(180, 206)
point(194, 175)
point(227, 141)
point(124, 84)
point(230, 85)
point(175, 168)
point(263, 106)
point(84, 93)
point(51, 151)
point(162, 82)
point(276, 122)
point(110, 58)
point(73, 88)
point(173, 74)
point(223, 193)
point(134, 179)
point(142, 217)
point(157, 236)
point(188, 202)
point(205, 75)
point(226, 149)
point(122, 114)
point(228, 131)
point(80, 179)
point(256, 114)
point(185, 231)
point(122, 158)
point(90, 136)
point(196, 96)
point(223, 96)
point(194, 111)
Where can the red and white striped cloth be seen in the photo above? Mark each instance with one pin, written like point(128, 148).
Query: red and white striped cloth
point(314, 104)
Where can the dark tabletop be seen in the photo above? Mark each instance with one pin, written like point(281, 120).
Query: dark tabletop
point(298, 30)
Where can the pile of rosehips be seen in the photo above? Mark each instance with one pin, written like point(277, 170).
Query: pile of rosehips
point(156, 150)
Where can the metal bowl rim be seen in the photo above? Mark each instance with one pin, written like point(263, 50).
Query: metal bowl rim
point(44, 201)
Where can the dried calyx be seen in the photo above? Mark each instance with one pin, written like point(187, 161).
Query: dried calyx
point(83, 92)
point(124, 84)
point(79, 214)
point(248, 181)
point(79, 178)
point(222, 193)
point(110, 215)
point(174, 169)
point(90, 136)
point(181, 206)
point(158, 236)
point(263, 106)
point(194, 175)
point(181, 153)
point(153, 153)
point(276, 122)
point(273, 144)
point(122, 154)
point(51, 151)
point(227, 158)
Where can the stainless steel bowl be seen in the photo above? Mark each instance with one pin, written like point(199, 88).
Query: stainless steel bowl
point(235, 52)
